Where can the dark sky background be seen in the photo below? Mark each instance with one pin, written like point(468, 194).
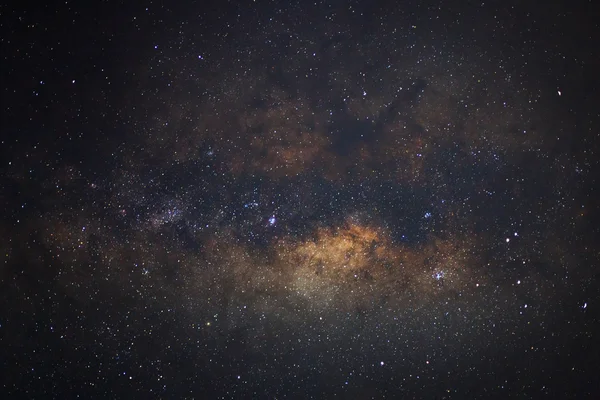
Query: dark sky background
point(263, 199)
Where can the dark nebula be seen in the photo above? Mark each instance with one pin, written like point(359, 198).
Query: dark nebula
point(300, 200)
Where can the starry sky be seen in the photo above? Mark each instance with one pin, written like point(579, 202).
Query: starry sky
point(263, 199)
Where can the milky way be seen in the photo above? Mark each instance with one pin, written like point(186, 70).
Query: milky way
point(302, 201)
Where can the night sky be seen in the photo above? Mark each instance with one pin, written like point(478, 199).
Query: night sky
point(263, 199)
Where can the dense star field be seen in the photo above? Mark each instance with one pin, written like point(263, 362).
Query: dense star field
point(300, 200)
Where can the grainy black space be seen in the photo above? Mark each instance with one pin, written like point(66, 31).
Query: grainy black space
point(263, 199)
